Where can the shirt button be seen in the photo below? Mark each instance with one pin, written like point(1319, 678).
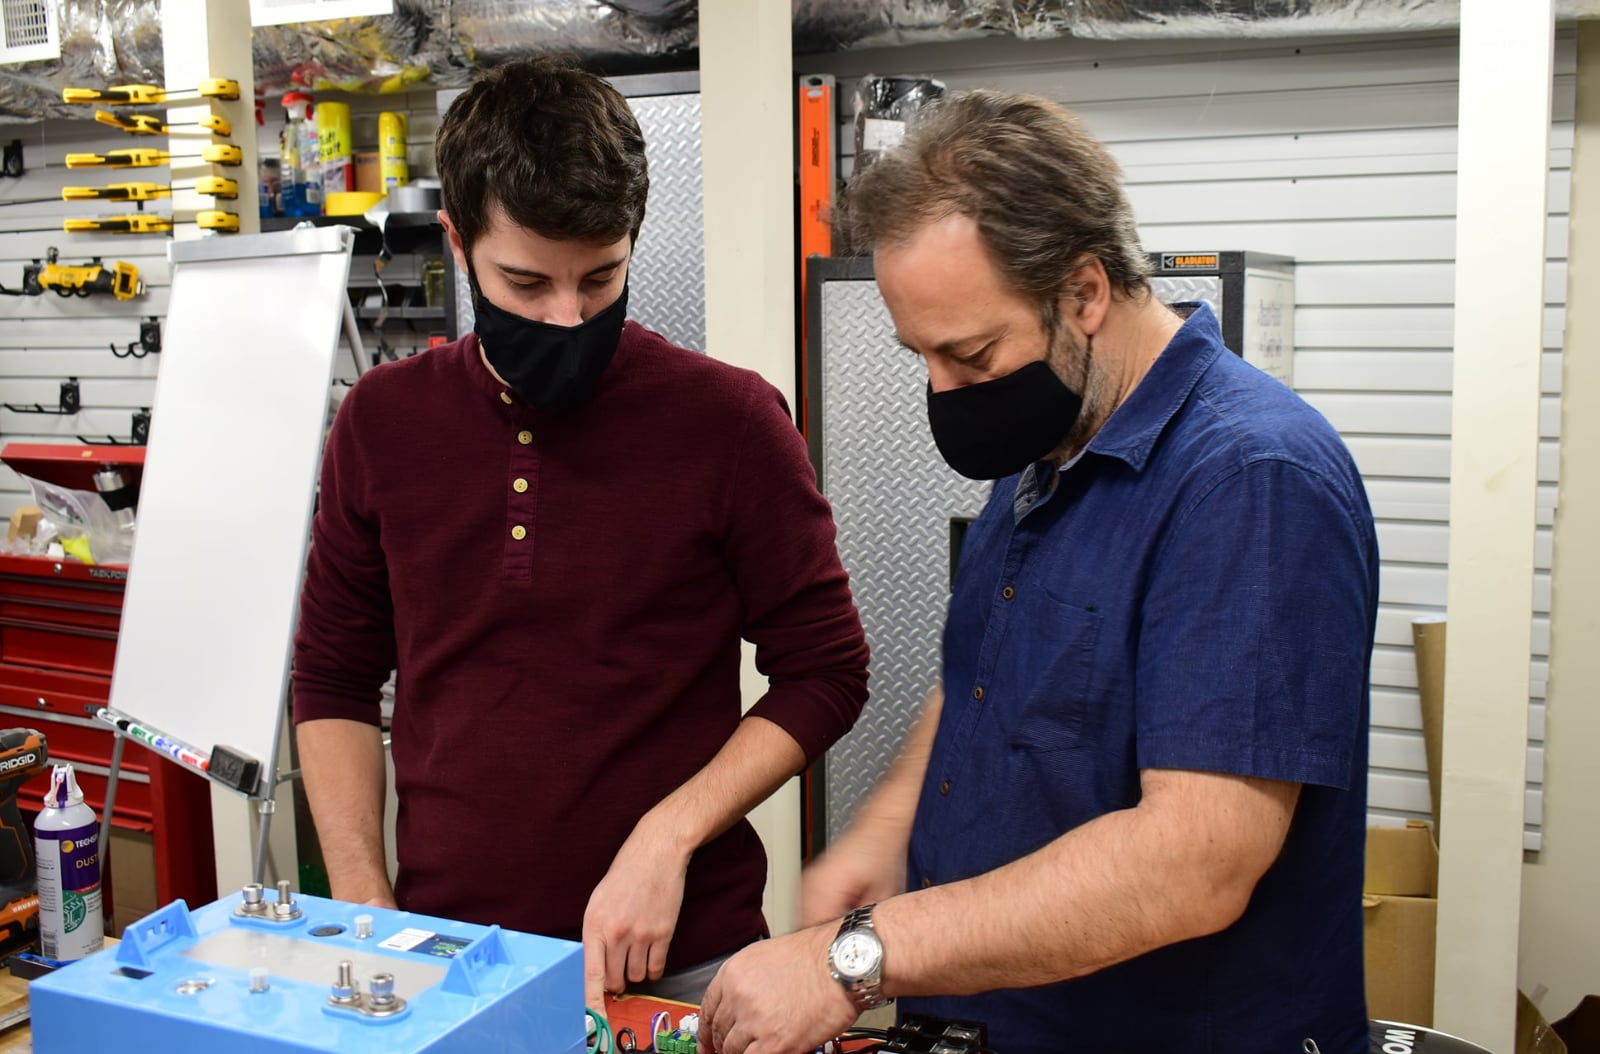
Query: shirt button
point(977, 693)
point(944, 788)
point(926, 881)
point(519, 532)
point(520, 486)
point(524, 437)
point(1008, 592)
point(505, 397)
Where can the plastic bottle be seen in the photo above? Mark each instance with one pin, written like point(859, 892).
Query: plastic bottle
point(302, 165)
point(67, 845)
point(338, 156)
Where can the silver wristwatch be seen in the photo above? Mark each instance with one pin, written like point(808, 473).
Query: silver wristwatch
point(855, 959)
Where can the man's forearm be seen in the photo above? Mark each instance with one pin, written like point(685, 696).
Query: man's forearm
point(343, 767)
point(889, 810)
point(1117, 887)
point(754, 762)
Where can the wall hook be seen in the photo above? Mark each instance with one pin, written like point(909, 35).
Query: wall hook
point(70, 402)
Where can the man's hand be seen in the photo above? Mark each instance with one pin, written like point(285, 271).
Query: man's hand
point(632, 915)
point(860, 868)
point(777, 997)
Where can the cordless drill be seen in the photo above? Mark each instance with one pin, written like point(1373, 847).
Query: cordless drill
point(22, 756)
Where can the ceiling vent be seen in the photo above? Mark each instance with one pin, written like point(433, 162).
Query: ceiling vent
point(28, 31)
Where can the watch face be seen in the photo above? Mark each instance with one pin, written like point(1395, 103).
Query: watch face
point(855, 955)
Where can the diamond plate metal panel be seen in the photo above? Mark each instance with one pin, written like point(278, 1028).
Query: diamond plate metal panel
point(667, 281)
point(668, 277)
point(1206, 289)
point(893, 501)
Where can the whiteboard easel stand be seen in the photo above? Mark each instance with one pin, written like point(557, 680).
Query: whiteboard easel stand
point(263, 795)
point(252, 330)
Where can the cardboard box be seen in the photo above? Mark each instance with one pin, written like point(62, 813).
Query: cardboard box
point(369, 173)
point(24, 523)
point(1400, 916)
point(1399, 938)
point(133, 878)
point(1402, 861)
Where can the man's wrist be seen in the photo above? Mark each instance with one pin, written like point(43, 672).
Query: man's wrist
point(666, 830)
point(856, 959)
point(362, 888)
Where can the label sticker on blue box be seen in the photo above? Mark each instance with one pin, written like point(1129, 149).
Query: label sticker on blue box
point(425, 942)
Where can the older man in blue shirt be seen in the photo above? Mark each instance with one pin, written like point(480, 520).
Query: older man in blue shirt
point(1133, 819)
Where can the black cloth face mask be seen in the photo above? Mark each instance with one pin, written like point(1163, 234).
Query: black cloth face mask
point(1000, 427)
point(550, 367)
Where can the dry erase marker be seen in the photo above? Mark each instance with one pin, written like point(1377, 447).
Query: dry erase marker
point(143, 735)
point(171, 748)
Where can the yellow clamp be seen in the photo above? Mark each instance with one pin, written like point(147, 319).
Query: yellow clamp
point(135, 223)
point(217, 220)
point(222, 154)
point(218, 88)
point(137, 158)
point(150, 124)
point(217, 187)
point(150, 94)
point(124, 95)
point(116, 192)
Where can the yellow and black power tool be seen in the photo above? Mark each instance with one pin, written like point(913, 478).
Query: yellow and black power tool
point(120, 279)
point(23, 755)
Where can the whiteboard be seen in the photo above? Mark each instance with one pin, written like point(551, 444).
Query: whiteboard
point(230, 473)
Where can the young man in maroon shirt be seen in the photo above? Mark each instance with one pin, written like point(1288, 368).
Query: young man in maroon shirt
point(557, 530)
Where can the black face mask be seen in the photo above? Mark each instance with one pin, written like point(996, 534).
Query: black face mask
point(550, 367)
point(1000, 427)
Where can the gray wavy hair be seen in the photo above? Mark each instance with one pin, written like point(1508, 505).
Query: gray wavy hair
point(1044, 192)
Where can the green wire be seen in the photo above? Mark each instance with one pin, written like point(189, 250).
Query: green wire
point(600, 1029)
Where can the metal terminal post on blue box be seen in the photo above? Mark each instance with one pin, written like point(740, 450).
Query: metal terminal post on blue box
point(301, 975)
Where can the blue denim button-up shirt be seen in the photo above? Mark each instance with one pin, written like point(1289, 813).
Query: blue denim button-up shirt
point(1197, 590)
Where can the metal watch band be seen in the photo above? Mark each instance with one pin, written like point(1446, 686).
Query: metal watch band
point(866, 993)
point(857, 919)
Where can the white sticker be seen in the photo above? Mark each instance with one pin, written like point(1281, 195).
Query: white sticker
point(1269, 323)
point(405, 940)
point(878, 133)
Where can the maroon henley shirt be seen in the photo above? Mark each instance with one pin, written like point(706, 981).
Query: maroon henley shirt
point(563, 598)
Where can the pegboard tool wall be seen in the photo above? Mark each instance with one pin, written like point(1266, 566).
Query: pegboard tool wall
point(46, 339)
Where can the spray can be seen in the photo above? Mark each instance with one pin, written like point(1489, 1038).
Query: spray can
point(392, 162)
point(67, 845)
point(338, 157)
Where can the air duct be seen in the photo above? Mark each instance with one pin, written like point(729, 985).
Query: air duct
point(440, 42)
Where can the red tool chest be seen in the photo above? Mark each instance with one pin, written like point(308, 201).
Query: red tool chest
point(58, 639)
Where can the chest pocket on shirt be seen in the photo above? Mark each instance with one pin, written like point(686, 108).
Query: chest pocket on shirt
point(1056, 668)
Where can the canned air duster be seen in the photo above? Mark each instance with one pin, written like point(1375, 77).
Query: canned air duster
point(67, 845)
